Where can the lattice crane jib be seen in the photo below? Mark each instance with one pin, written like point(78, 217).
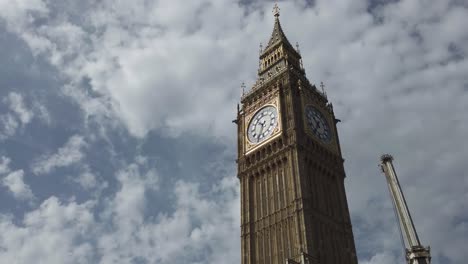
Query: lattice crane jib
point(415, 252)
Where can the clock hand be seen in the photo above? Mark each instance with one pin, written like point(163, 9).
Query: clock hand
point(258, 131)
point(263, 125)
point(257, 128)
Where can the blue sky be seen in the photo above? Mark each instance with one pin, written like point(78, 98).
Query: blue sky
point(116, 141)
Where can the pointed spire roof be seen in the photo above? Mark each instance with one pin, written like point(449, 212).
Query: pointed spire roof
point(277, 35)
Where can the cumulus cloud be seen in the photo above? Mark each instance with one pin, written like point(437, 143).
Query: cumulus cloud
point(198, 225)
point(16, 103)
point(9, 126)
point(15, 184)
point(68, 154)
point(130, 200)
point(42, 113)
point(396, 76)
point(53, 233)
point(4, 165)
point(87, 180)
point(121, 66)
point(398, 85)
point(18, 116)
point(71, 232)
point(14, 181)
point(16, 13)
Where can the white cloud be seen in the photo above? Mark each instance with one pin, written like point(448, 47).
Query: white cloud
point(121, 66)
point(397, 79)
point(4, 165)
point(14, 181)
point(130, 200)
point(198, 225)
point(70, 153)
point(94, 185)
point(15, 184)
point(18, 116)
point(53, 233)
point(71, 232)
point(8, 126)
point(16, 103)
point(87, 180)
point(20, 12)
point(42, 113)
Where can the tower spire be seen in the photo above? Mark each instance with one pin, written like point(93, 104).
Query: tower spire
point(283, 124)
point(277, 35)
point(278, 54)
point(276, 10)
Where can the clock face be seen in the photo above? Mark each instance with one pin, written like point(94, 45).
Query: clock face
point(262, 124)
point(317, 123)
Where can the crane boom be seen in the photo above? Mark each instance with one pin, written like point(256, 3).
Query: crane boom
point(415, 252)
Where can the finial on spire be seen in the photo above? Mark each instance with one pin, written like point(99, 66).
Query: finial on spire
point(261, 48)
point(242, 88)
point(297, 48)
point(276, 10)
point(324, 94)
point(323, 89)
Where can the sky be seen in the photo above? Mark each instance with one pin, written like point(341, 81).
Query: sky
point(116, 140)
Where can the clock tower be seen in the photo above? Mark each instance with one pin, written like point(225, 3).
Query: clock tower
point(290, 166)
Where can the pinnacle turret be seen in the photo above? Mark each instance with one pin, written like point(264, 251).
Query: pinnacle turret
point(278, 54)
point(277, 36)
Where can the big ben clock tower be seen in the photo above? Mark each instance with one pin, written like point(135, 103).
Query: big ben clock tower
point(293, 200)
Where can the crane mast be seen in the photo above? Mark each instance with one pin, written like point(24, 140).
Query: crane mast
point(415, 252)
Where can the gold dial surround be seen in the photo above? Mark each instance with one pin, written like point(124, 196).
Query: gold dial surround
point(262, 125)
point(317, 124)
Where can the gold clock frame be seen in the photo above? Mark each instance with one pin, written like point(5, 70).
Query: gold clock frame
point(249, 146)
point(330, 144)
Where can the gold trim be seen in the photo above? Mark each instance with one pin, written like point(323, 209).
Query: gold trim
point(250, 146)
point(254, 113)
point(332, 144)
